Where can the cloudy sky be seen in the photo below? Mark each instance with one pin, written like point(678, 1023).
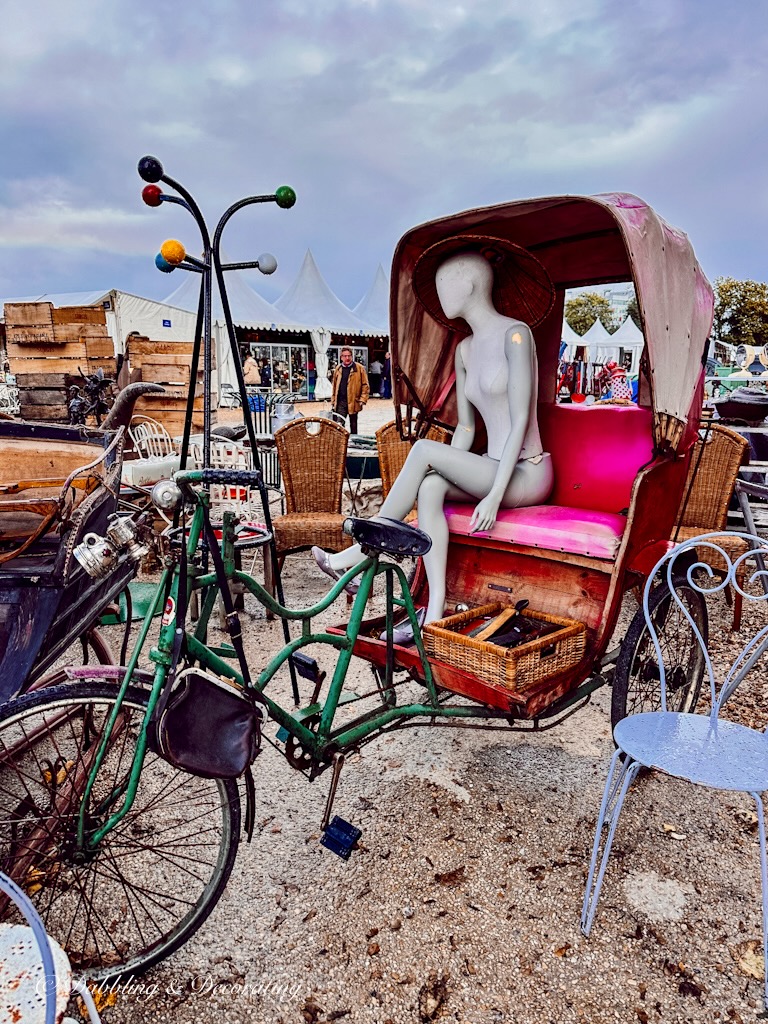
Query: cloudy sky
point(380, 113)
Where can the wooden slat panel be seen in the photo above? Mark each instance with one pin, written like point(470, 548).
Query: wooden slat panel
point(79, 315)
point(75, 350)
point(24, 336)
point(23, 313)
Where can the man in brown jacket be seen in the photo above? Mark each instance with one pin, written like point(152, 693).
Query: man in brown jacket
point(350, 388)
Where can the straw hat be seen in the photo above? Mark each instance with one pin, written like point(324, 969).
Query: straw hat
point(522, 288)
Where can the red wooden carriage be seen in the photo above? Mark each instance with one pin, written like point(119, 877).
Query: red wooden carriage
point(619, 470)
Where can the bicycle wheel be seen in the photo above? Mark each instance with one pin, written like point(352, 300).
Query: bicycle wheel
point(636, 680)
point(154, 878)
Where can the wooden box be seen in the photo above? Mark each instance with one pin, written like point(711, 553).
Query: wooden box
point(518, 668)
point(25, 314)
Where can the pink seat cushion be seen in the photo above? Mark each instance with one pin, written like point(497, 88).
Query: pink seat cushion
point(553, 527)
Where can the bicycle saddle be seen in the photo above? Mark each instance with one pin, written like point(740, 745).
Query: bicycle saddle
point(388, 535)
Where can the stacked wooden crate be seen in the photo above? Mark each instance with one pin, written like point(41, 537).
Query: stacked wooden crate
point(167, 363)
point(48, 349)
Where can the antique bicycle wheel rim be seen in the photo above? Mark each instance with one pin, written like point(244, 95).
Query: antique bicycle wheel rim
point(636, 685)
point(154, 878)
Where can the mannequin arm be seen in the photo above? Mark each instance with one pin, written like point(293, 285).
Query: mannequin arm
point(519, 387)
point(464, 434)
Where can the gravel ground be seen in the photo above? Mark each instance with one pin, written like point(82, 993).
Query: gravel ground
point(463, 901)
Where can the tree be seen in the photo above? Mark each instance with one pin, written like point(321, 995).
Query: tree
point(582, 310)
point(741, 311)
point(633, 310)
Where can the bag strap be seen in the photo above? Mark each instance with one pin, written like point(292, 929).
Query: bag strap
point(178, 638)
point(231, 617)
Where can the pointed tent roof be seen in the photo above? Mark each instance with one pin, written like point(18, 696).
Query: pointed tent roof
point(374, 306)
point(568, 335)
point(311, 302)
point(629, 335)
point(596, 335)
point(248, 308)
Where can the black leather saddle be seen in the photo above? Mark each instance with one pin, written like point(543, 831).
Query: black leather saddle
point(388, 536)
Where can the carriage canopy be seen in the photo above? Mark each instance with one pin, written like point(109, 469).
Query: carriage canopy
point(581, 240)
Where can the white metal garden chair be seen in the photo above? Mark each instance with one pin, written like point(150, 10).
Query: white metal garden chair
point(704, 749)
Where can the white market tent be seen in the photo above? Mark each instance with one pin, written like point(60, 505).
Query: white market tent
point(373, 308)
point(599, 344)
point(571, 339)
point(247, 307)
point(311, 301)
point(630, 338)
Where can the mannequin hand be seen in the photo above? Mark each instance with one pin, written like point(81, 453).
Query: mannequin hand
point(484, 515)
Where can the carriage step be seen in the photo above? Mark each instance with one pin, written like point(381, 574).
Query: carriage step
point(340, 837)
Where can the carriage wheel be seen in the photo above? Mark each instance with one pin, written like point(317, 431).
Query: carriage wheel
point(154, 878)
point(636, 679)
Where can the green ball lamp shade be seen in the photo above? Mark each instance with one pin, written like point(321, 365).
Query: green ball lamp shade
point(285, 197)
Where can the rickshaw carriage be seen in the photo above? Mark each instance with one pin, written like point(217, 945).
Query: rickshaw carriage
point(619, 470)
point(58, 484)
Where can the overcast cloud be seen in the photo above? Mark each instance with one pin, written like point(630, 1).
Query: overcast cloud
point(380, 113)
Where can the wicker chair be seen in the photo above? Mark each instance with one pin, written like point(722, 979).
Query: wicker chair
point(393, 451)
point(712, 475)
point(312, 453)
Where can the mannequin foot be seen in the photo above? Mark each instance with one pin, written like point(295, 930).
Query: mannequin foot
point(323, 560)
point(402, 635)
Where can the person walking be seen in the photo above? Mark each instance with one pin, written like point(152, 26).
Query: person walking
point(386, 378)
point(350, 388)
point(374, 377)
point(251, 371)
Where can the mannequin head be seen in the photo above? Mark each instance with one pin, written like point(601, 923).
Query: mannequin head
point(463, 281)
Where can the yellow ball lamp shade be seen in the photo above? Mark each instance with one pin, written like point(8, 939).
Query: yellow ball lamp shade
point(173, 252)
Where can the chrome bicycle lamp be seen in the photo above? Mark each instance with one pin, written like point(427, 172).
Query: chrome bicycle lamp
point(166, 495)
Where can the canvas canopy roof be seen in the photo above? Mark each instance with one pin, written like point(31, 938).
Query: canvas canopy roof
point(582, 240)
point(311, 302)
point(374, 306)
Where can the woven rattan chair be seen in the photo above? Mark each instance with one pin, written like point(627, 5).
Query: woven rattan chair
point(393, 451)
point(712, 475)
point(312, 453)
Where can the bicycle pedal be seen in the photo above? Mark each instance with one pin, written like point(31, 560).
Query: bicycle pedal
point(340, 837)
point(282, 734)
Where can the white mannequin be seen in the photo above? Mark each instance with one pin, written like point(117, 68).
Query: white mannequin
point(497, 375)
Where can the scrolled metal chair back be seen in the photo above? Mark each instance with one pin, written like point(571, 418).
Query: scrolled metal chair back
point(686, 562)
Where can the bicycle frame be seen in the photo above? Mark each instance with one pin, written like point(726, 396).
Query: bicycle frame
point(322, 743)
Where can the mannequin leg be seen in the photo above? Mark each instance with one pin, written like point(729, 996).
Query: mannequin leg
point(471, 474)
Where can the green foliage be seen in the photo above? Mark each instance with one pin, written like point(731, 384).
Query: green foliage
point(582, 310)
point(633, 310)
point(741, 311)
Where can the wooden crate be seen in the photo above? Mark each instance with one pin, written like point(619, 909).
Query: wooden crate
point(79, 315)
point(27, 335)
point(28, 314)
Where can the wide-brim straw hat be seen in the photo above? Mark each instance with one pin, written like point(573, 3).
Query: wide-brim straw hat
point(522, 288)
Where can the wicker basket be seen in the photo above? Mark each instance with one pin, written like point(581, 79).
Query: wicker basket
point(518, 668)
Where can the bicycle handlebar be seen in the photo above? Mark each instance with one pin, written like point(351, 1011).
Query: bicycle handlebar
point(238, 477)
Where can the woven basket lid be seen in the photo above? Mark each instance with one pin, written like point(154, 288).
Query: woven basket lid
point(522, 288)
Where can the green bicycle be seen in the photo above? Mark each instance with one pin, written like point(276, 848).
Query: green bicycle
point(124, 854)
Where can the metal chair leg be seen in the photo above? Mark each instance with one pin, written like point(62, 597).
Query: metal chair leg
point(610, 811)
point(764, 878)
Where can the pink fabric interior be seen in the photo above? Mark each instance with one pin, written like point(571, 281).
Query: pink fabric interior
point(596, 453)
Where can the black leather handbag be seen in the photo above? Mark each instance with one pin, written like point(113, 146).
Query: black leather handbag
point(208, 726)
